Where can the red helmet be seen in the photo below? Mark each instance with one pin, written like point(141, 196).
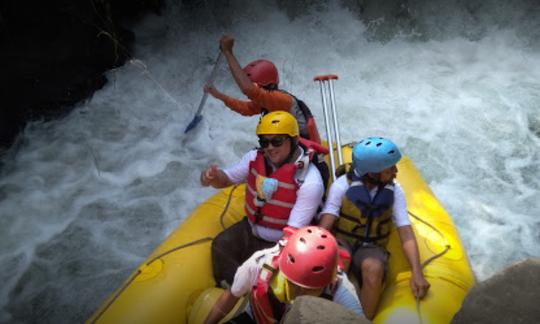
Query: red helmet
point(262, 72)
point(309, 258)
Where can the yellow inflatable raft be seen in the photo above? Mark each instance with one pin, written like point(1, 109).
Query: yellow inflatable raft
point(174, 285)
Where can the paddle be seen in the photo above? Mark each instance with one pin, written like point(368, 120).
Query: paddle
point(198, 116)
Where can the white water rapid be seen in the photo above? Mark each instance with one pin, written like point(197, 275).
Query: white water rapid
point(86, 198)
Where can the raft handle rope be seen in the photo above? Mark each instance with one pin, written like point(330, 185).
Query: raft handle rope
point(180, 247)
point(428, 260)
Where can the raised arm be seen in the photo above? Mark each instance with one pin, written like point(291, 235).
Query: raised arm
point(240, 77)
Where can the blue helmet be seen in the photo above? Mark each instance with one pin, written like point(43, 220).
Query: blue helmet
point(374, 154)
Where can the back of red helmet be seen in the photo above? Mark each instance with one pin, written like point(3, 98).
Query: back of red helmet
point(309, 259)
point(262, 72)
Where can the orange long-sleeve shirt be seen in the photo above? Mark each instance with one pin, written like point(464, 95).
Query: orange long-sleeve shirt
point(260, 98)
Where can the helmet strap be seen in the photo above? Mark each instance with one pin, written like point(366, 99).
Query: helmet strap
point(294, 148)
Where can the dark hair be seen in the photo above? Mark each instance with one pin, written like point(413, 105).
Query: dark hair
point(270, 87)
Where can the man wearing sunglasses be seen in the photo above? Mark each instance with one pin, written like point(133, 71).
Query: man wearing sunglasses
point(283, 188)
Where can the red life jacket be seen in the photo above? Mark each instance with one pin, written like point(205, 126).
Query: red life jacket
point(275, 212)
point(266, 307)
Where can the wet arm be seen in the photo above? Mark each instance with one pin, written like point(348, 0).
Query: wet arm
point(243, 107)
point(273, 100)
point(215, 177)
point(419, 284)
point(332, 206)
point(327, 221)
point(240, 77)
point(222, 307)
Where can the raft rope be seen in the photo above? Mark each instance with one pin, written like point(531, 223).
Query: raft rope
point(161, 255)
point(428, 260)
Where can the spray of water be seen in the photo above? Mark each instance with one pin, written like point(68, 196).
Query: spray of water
point(84, 199)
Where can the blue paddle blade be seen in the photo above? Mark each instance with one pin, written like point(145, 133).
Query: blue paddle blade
point(196, 120)
point(198, 115)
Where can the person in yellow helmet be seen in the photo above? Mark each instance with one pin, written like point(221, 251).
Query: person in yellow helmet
point(259, 81)
point(283, 189)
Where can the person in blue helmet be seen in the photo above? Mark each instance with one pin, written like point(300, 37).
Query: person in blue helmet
point(361, 207)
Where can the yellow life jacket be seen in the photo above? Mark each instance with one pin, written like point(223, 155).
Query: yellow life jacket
point(364, 220)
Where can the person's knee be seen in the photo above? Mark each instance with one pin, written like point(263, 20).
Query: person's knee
point(220, 247)
point(372, 272)
point(225, 240)
point(216, 243)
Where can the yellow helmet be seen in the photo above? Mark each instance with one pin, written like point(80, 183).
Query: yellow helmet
point(278, 122)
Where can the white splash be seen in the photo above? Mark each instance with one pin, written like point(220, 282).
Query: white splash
point(88, 197)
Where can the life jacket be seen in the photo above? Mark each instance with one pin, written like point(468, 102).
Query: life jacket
point(316, 155)
point(274, 211)
point(267, 305)
point(304, 117)
point(306, 121)
point(364, 220)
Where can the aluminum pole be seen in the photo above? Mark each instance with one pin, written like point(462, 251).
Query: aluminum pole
point(336, 122)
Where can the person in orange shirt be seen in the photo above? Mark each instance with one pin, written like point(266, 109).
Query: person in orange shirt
point(259, 82)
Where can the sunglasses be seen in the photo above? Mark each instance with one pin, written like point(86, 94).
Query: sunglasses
point(276, 141)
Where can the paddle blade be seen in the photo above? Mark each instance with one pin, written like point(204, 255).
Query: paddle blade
point(196, 120)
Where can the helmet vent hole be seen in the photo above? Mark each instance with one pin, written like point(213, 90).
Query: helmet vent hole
point(275, 121)
point(368, 142)
point(320, 247)
point(303, 240)
point(324, 236)
point(309, 230)
point(391, 152)
point(318, 269)
point(291, 259)
point(379, 144)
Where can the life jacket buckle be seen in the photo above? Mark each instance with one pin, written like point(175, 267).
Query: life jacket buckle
point(259, 202)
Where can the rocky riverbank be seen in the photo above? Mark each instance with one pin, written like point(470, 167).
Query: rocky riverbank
point(55, 53)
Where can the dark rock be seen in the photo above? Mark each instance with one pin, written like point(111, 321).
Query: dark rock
point(308, 310)
point(512, 296)
point(54, 54)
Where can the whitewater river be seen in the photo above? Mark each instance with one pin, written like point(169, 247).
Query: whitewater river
point(86, 198)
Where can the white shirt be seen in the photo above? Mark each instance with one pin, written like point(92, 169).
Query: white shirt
point(340, 187)
point(308, 196)
point(246, 277)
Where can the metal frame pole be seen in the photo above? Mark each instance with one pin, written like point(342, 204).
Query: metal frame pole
point(328, 128)
point(336, 122)
point(328, 101)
